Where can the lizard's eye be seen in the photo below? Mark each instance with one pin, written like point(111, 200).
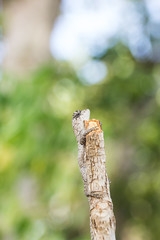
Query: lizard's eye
point(76, 114)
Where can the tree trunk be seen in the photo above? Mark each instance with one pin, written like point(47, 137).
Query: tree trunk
point(27, 28)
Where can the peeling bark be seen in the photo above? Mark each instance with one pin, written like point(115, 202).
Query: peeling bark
point(102, 219)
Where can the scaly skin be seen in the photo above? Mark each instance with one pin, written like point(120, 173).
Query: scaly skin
point(79, 130)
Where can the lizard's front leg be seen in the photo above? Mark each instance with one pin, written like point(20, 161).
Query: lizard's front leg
point(83, 137)
point(83, 158)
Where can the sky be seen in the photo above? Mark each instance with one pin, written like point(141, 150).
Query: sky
point(87, 28)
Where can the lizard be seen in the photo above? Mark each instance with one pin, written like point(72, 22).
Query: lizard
point(78, 119)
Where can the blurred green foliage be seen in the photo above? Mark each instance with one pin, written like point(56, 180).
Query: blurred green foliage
point(41, 190)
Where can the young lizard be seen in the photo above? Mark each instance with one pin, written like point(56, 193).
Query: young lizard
point(79, 130)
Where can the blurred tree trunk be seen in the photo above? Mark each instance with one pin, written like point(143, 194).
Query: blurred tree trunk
point(27, 28)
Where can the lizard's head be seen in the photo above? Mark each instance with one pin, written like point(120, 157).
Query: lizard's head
point(83, 114)
point(78, 120)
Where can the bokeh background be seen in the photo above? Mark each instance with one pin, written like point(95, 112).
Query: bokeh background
point(60, 56)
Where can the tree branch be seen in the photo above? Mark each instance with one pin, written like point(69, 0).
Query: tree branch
point(97, 189)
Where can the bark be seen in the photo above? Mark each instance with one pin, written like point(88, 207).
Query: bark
point(102, 219)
